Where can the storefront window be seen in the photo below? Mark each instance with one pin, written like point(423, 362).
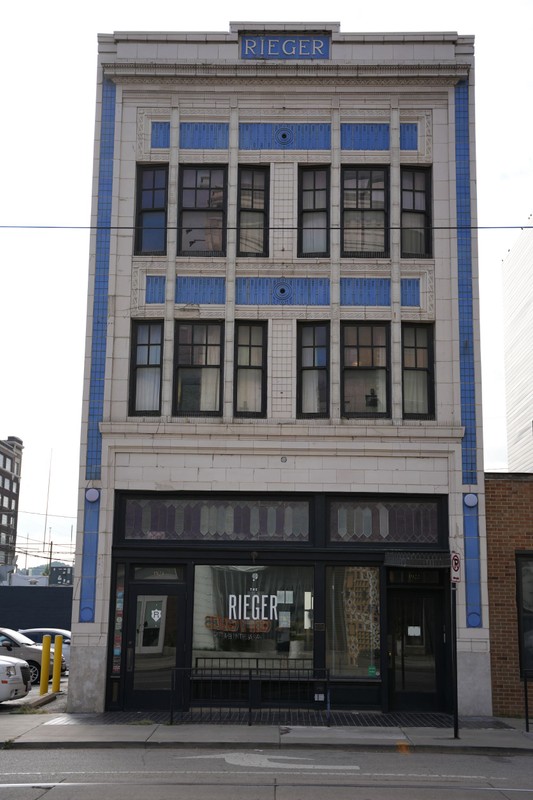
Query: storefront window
point(119, 618)
point(352, 621)
point(253, 617)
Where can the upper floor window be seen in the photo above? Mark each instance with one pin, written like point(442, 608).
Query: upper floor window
point(202, 216)
point(151, 216)
point(198, 368)
point(365, 224)
point(365, 370)
point(253, 211)
point(146, 365)
point(250, 369)
point(313, 370)
point(313, 211)
point(418, 369)
point(416, 213)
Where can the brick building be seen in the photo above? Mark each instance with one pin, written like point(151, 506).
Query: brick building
point(281, 440)
point(10, 467)
point(509, 507)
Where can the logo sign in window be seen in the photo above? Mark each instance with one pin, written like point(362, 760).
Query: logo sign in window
point(295, 47)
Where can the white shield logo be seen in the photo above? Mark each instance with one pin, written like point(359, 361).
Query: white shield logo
point(156, 614)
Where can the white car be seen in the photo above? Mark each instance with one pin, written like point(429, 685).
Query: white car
point(15, 678)
point(36, 634)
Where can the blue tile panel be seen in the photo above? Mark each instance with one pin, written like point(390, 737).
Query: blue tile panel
point(410, 292)
point(155, 289)
point(99, 329)
point(365, 292)
point(365, 136)
point(160, 135)
point(472, 567)
point(200, 290)
point(408, 136)
point(204, 135)
point(273, 136)
point(282, 291)
point(464, 262)
point(89, 561)
point(293, 47)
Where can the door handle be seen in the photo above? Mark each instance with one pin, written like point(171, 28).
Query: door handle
point(129, 659)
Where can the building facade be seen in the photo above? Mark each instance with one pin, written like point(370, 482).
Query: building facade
point(281, 445)
point(10, 467)
point(518, 341)
point(509, 500)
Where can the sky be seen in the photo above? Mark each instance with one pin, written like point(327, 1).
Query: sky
point(48, 84)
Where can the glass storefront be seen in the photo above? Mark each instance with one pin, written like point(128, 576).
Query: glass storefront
point(260, 616)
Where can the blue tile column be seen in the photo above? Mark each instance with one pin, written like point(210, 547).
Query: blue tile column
point(93, 463)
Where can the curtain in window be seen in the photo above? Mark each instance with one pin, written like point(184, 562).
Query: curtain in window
point(249, 391)
point(314, 233)
point(147, 389)
point(415, 392)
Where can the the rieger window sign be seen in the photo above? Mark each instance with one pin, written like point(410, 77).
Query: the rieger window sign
point(297, 46)
point(265, 612)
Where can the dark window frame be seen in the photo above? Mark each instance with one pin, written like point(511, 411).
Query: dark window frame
point(347, 369)
point(265, 210)
point(425, 214)
point(176, 411)
point(316, 209)
point(136, 367)
point(238, 367)
point(142, 213)
point(385, 252)
point(183, 209)
point(300, 369)
point(429, 369)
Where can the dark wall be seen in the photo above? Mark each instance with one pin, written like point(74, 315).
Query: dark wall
point(35, 607)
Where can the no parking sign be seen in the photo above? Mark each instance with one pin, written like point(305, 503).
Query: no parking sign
point(456, 567)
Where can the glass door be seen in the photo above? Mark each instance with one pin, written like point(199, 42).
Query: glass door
point(154, 646)
point(416, 650)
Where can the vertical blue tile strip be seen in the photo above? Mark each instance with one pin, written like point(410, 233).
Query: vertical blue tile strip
point(160, 138)
point(89, 561)
point(408, 136)
point(410, 289)
point(464, 264)
point(99, 330)
point(155, 289)
point(472, 566)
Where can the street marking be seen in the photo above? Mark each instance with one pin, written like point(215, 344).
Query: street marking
point(267, 762)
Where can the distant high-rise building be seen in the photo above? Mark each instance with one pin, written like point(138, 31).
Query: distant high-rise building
point(10, 467)
point(518, 339)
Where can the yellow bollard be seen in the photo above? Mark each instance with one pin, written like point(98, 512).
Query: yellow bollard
point(58, 650)
point(45, 664)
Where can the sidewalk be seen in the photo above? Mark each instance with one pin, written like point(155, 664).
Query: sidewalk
point(29, 723)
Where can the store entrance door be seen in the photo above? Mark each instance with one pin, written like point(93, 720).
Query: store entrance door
point(155, 638)
point(416, 650)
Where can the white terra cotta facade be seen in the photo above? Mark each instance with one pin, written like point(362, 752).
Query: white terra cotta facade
point(282, 391)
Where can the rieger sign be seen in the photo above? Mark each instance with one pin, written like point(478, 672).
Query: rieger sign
point(297, 46)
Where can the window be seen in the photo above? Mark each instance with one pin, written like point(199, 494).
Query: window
point(416, 213)
point(146, 363)
point(417, 366)
point(353, 644)
point(250, 369)
point(365, 211)
point(365, 368)
point(313, 214)
point(253, 212)
point(202, 226)
point(151, 218)
point(313, 370)
point(198, 376)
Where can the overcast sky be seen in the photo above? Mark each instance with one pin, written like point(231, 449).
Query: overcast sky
point(48, 73)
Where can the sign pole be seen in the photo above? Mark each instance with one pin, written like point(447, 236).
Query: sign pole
point(454, 663)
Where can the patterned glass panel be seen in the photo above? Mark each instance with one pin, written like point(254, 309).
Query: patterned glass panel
point(385, 523)
point(223, 519)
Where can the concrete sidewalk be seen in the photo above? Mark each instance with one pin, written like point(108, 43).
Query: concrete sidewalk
point(29, 724)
